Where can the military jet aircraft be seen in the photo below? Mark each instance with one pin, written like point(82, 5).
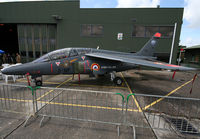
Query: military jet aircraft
point(92, 61)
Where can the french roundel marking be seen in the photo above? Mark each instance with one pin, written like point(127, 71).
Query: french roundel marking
point(95, 67)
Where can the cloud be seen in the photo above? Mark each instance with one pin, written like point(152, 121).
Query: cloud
point(192, 13)
point(137, 3)
point(189, 41)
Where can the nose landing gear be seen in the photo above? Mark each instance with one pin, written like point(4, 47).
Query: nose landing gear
point(117, 80)
point(38, 82)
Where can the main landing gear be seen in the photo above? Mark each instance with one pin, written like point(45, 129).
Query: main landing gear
point(117, 80)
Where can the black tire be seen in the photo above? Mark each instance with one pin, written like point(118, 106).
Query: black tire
point(38, 83)
point(118, 81)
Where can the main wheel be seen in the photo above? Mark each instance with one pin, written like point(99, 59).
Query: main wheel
point(38, 83)
point(118, 81)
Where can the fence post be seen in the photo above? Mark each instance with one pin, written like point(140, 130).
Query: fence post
point(127, 100)
point(125, 119)
point(118, 128)
point(133, 127)
point(35, 97)
point(33, 90)
point(122, 100)
point(35, 108)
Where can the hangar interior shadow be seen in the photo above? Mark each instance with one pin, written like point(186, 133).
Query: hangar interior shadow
point(9, 38)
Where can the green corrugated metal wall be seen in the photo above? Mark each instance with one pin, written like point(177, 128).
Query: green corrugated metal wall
point(114, 21)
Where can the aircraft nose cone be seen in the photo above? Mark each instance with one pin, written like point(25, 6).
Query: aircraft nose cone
point(17, 69)
point(12, 70)
point(5, 71)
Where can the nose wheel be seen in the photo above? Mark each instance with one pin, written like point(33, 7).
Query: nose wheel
point(38, 83)
point(37, 80)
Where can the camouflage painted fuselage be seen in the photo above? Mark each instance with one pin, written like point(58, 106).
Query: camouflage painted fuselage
point(72, 64)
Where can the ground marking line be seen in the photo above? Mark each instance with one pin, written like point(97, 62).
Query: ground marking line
point(68, 104)
point(67, 75)
point(47, 82)
point(133, 96)
point(54, 89)
point(86, 106)
point(43, 82)
point(98, 86)
point(83, 85)
point(18, 100)
point(20, 79)
point(173, 91)
point(14, 112)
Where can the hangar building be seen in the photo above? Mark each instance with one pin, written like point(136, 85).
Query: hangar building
point(192, 56)
point(35, 28)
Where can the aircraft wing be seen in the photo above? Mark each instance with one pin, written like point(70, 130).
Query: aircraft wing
point(142, 62)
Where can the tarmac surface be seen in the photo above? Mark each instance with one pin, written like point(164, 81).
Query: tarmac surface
point(97, 114)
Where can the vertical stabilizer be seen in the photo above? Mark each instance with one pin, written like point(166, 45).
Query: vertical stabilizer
point(149, 47)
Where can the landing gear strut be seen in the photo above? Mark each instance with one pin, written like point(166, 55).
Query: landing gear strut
point(117, 80)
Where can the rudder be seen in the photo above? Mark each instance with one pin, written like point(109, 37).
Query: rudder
point(149, 47)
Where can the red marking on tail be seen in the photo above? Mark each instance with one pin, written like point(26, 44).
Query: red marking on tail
point(182, 50)
point(158, 35)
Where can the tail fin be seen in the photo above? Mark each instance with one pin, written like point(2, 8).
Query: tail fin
point(149, 47)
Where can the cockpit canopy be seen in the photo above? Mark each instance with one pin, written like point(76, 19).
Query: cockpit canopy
point(58, 54)
point(63, 53)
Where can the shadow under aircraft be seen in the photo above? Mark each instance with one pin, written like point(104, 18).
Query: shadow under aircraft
point(93, 62)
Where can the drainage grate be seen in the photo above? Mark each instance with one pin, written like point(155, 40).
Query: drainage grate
point(183, 126)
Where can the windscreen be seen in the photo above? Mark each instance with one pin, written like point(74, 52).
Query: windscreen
point(43, 58)
point(58, 54)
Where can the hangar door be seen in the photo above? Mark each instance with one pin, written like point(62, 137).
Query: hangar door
point(35, 40)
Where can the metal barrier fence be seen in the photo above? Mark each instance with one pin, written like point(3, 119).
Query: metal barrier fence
point(17, 99)
point(167, 113)
point(81, 105)
point(135, 110)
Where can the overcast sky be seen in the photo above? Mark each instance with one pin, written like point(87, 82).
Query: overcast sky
point(190, 34)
